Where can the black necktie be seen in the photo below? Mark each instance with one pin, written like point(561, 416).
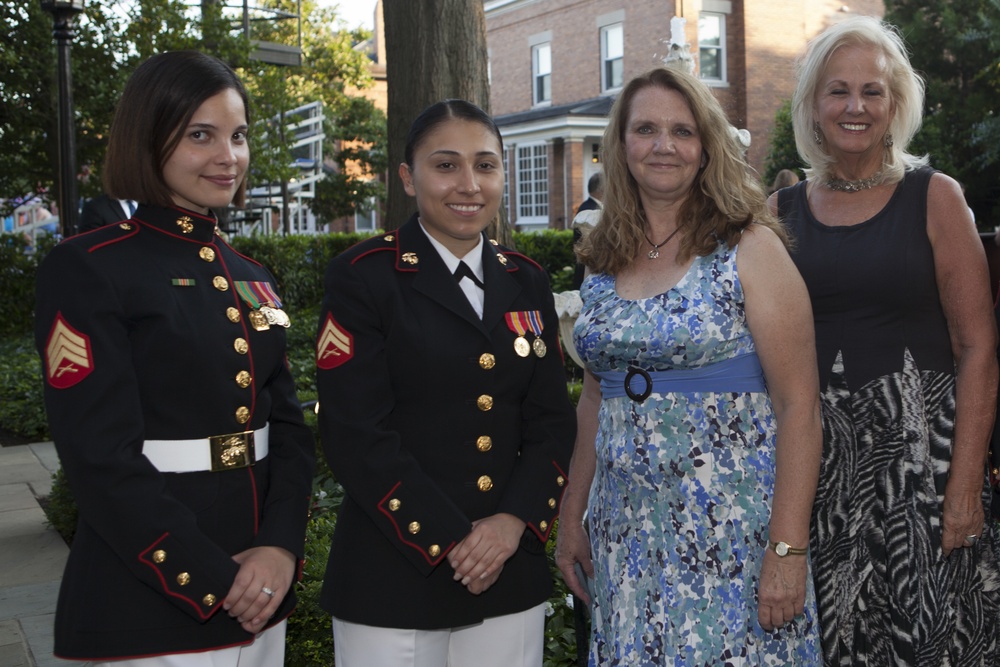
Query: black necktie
point(463, 271)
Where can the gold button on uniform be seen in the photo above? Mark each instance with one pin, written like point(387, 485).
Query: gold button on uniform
point(159, 556)
point(552, 503)
point(414, 527)
point(240, 345)
point(560, 481)
point(543, 524)
point(207, 254)
point(485, 402)
point(208, 600)
point(233, 314)
point(183, 578)
point(484, 443)
point(484, 483)
point(487, 361)
point(243, 379)
point(394, 504)
point(242, 414)
point(220, 283)
point(434, 551)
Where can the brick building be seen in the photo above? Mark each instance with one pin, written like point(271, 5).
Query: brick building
point(556, 65)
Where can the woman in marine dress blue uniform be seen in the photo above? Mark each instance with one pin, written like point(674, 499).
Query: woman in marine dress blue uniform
point(169, 397)
point(444, 414)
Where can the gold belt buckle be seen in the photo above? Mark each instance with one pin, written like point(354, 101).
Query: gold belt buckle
point(232, 451)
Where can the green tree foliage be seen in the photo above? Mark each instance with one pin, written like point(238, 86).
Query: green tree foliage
point(113, 36)
point(955, 45)
point(782, 153)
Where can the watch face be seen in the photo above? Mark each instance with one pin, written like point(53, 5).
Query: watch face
point(781, 549)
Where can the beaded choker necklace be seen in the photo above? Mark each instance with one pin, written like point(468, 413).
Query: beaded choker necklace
point(840, 185)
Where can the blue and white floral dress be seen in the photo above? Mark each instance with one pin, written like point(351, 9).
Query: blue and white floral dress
point(680, 504)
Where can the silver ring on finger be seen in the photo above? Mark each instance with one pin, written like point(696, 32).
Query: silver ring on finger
point(267, 591)
point(971, 540)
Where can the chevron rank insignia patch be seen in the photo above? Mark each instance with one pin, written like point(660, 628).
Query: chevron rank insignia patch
point(335, 346)
point(68, 358)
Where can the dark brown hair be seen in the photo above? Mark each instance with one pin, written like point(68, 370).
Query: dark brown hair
point(157, 104)
point(438, 113)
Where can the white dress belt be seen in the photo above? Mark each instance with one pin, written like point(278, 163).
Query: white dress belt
point(217, 453)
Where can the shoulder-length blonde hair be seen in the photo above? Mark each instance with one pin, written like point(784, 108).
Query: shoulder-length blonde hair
point(906, 95)
point(725, 198)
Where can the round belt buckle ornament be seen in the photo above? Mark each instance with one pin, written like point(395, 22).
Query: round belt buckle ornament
point(638, 397)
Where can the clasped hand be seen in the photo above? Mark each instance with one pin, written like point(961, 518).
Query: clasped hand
point(479, 558)
point(260, 567)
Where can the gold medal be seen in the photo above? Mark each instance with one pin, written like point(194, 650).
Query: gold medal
point(258, 321)
point(521, 346)
point(539, 346)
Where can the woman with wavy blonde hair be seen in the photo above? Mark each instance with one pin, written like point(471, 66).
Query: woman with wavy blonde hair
point(698, 439)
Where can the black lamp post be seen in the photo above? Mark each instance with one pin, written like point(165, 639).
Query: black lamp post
point(63, 12)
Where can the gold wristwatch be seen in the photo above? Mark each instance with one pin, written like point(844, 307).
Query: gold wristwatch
point(784, 549)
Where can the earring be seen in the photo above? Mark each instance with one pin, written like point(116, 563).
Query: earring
point(888, 140)
point(817, 137)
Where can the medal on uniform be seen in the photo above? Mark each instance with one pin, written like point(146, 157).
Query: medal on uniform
point(538, 345)
point(276, 316)
point(535, 322)
point(516, 322)
point(265, 306)
point(258, 321)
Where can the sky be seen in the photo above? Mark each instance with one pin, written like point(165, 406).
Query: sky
point(353, 12)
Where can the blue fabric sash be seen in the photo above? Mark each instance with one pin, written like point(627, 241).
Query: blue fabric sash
point(739, 374)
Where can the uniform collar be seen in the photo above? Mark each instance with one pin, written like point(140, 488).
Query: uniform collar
point(474, 258)
point(178, 222)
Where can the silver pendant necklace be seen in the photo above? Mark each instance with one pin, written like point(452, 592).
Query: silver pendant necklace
point(655, 252)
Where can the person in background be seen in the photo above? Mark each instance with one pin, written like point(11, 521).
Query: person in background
point(784, 179)
point(699, 434)
point(170, 399)
point(104, 210)
point(905, 570)
point(587, 216)
point(445, 416)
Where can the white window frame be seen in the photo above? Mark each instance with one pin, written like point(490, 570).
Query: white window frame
point(369, 216)
point(532, 168)
point(541, 68)
point(507, 156)
point(608, 56)
point(716, 11)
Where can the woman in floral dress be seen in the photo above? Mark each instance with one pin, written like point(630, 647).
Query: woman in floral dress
point(697, 477)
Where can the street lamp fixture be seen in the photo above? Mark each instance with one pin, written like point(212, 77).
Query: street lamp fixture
point(63, 12)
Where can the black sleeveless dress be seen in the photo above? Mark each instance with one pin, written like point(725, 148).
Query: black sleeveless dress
point(886, 595)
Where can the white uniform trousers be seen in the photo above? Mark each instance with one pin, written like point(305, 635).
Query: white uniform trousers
point(514, 640)
point(267, 650)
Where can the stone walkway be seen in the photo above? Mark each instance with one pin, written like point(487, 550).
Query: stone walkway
point(32, 556)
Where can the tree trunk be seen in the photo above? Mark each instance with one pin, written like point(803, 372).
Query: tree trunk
point(435, 50)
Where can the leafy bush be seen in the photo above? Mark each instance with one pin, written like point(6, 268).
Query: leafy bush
point(18, 265)
point(782, 153)
point(310, 638)
point(60, 507)
point(22, 410)
point(553, 249)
